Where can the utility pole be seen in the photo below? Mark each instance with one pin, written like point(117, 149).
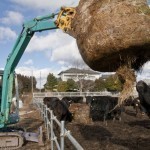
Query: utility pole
point(40, 81)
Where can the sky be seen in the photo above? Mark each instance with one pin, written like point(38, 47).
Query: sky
point(49, 51)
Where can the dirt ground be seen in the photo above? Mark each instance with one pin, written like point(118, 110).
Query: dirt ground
point(132, 133)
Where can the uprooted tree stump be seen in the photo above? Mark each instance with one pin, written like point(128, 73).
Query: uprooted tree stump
point(112, 33)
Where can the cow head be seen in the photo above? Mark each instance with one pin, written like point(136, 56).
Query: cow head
point(141, 87)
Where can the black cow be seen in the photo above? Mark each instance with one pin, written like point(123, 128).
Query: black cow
point(51, 102)
point(89, 100)
point(137, 106)
point(103, 107)
point(59, 108)
point(77, 99)
point(135, 103)
point(128, 101)
point(70, 100)
point(144, 96)
point(67, 101)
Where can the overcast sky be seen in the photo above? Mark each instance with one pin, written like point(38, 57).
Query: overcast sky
point(48, 52)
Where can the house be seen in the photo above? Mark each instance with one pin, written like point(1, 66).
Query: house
point(104, 76)
point(79, 74)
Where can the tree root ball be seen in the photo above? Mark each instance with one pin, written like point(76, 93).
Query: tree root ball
point(111, 32)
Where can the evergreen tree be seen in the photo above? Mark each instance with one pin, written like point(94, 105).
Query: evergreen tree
point(113, 83)
point(99, 85)
point(71, 84)
point(51, 82)
point(62, 86)
point(25, 84)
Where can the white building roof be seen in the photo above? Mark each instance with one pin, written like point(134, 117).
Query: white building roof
point(75, 70)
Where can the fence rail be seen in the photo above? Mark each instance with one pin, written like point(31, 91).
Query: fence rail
point(38, 97)
point(76, 94)
point(49, 125)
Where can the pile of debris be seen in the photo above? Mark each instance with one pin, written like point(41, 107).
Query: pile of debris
point(81, 113)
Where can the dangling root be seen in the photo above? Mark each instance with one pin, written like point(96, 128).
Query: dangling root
point(127, 76)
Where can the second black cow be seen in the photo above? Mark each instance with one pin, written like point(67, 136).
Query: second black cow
point(104, 107)
point(135, 103)
point(144, 96)
point(59, 108)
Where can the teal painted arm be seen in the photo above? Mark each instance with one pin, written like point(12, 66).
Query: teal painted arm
point(29, 28)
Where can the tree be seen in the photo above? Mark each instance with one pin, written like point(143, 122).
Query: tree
point(24, 84)
point(113, 83)
point(99, 85)
point(51, 82)
point(87, 85)
point(62, 86)
point(71, 84)
point(79, 65)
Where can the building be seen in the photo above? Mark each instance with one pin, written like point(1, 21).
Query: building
point(104, 76)
point(78, 74)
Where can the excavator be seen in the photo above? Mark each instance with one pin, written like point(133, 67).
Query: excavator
point(12, 138)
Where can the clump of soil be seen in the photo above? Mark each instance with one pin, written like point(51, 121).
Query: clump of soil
point(81, 113)
point(110, 33)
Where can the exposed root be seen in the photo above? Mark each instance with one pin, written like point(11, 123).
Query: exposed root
point(127, 77)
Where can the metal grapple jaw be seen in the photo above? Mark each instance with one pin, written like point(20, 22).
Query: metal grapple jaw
point(65, 17)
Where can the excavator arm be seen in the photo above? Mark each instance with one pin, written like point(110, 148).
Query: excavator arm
point(38, 24)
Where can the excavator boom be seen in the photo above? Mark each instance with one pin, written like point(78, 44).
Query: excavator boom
point(38, 24)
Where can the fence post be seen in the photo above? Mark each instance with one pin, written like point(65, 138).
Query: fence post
point(45, 115)
point(52, 134)
point(47, 122)
point(62, 134)
point(41, 106)
point(43, 112)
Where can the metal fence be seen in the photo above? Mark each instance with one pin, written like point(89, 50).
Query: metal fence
point(75, 94)
point(38, 97)
point(49, 125)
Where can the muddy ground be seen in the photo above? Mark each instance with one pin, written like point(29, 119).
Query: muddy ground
point(132, 133)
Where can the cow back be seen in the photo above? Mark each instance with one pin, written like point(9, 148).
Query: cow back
point(144, 96)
